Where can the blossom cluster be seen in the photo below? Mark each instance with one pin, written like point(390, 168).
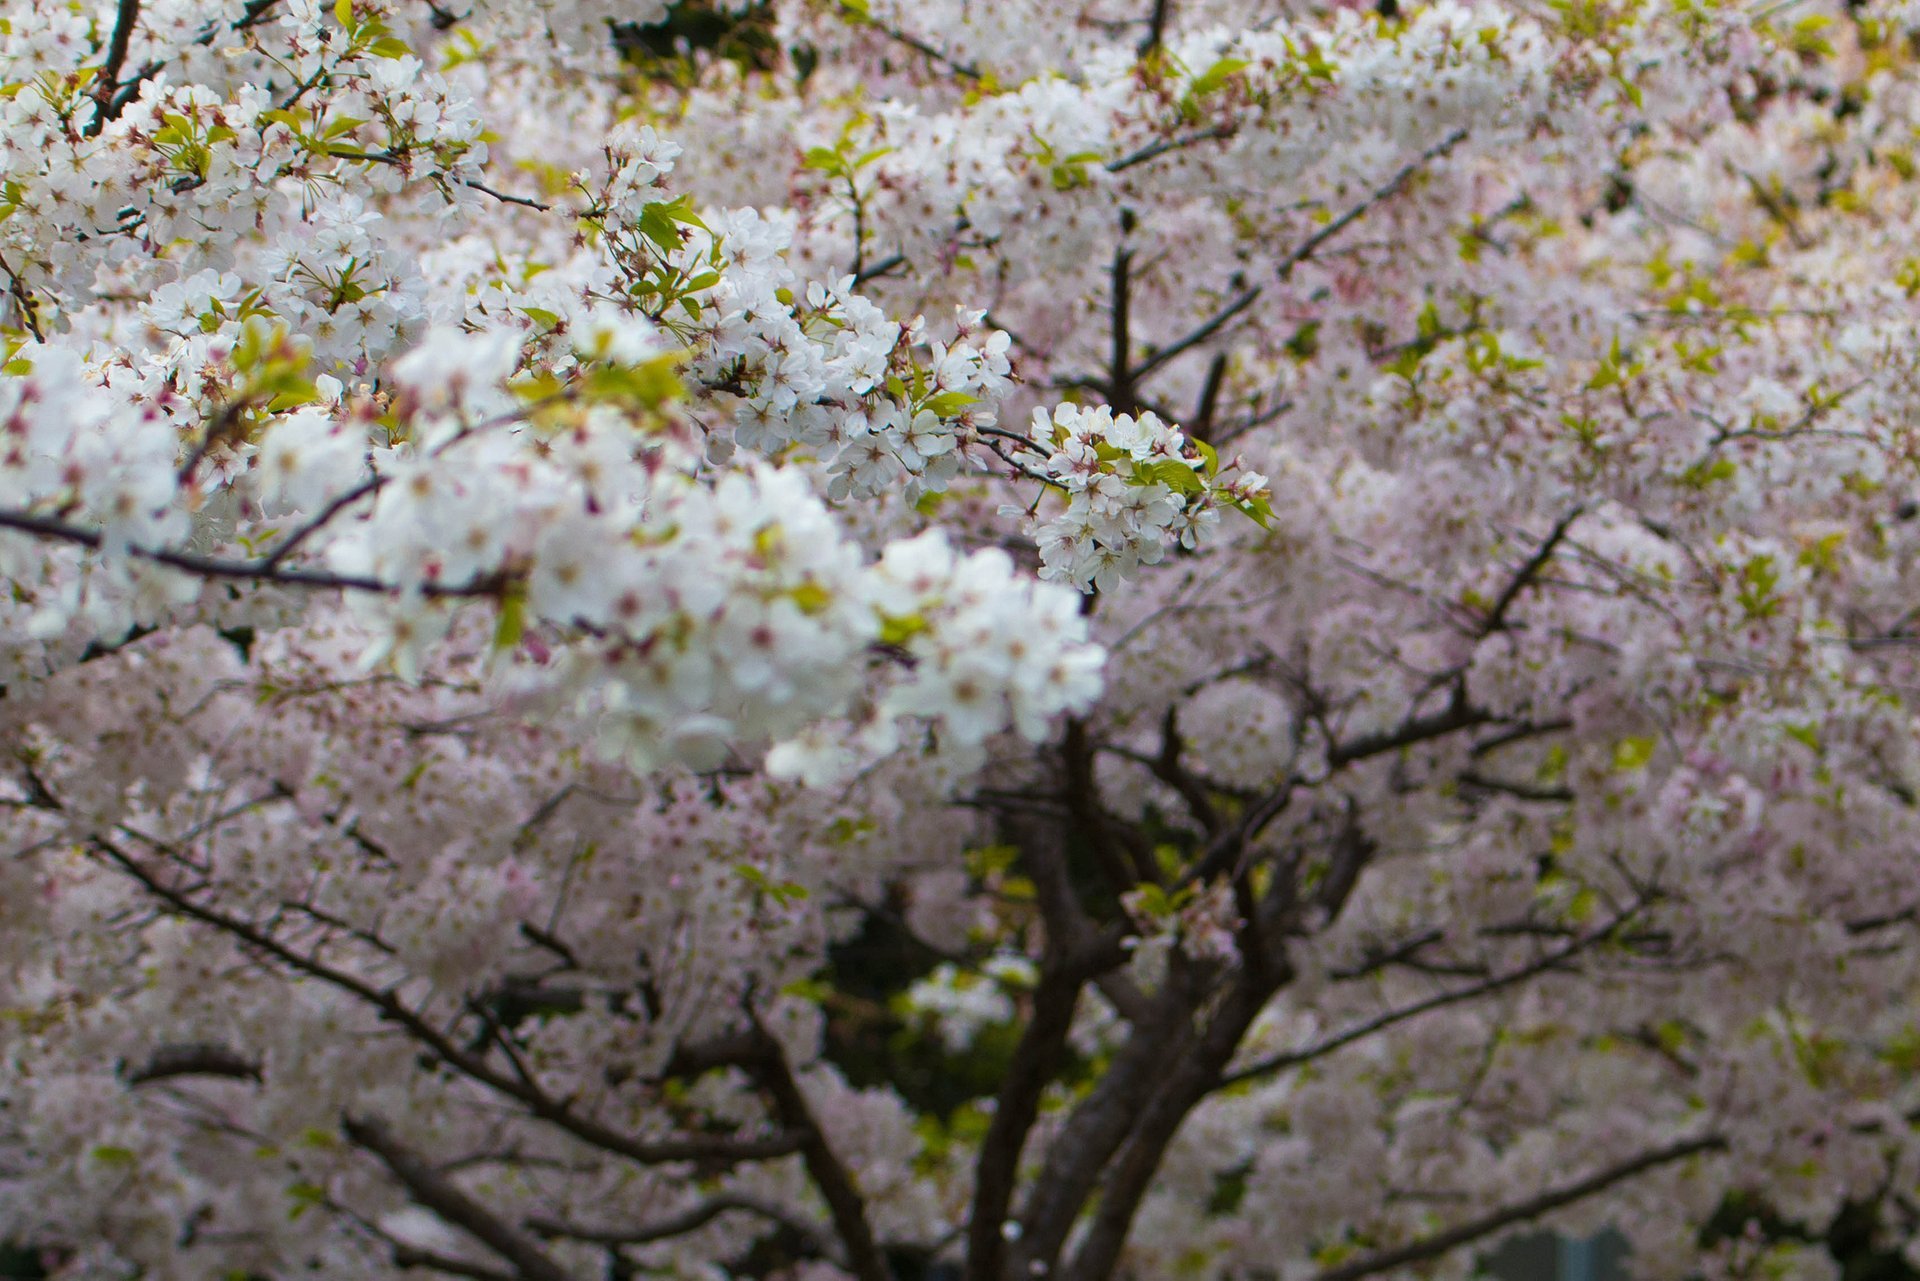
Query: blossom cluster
point(550, 731)
point(1133, 487)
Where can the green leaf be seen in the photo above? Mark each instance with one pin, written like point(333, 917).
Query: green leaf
point(1257, 510)
point(343, 12)
point(304, 1197)
point(1175, 475)
point(824, 160)
point(681, 210)
point(512, 625)
point(1807, 734)
point(898, 629)
point(1218, 74)
point(293, 393)
point(650, 384)
point(1305, 341)
point(110, 1154)
point(949, 403)
point(1615, 369)
point(658, 225)
point(1429, 326)
point(782, 892)
point(1758, 578)
point(1633, 753)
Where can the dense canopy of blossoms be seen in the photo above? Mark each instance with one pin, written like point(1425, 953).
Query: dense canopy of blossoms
point(989, 639)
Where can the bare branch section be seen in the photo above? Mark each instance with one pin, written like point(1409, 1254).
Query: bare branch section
point(830, 1175)
point(1156, 26)
point(1473, 991)
point(111, 94)
point(229, 570)
point(412, 1256)
point(1154, 150)
point(439, 1194)
point(1432, 1247)
point(693, 1218)
point(931, 53)
point(1119, 385)
point(1527, 573)
point(1189, 1080)
point(170, 1061)
point(107, 80)
point(1386, 191)
point(538, 1103)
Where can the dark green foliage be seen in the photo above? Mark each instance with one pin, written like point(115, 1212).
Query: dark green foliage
point(696, 26)
point(1849, 1238)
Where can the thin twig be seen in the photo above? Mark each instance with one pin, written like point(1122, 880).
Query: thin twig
point(1155, 149)
point(107, 80)
point(1384, 192)
point(1439, 1243)
point(1472, 991)
point(435, 1192)
point(240, 570)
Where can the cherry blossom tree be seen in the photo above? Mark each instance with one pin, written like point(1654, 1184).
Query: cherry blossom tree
point(976, 639)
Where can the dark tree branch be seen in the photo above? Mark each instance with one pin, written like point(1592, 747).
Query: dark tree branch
point(197, 1059)
point(1097, 1127)
point(1383, 958)
point(1089, 815)
point(1036, 1062)
point(1458, 715)
point(829, 1174)
point(1439, 1243)
point(112, 95)
point(1154, 150)
point(691, 1219)
point(23, 301)
point(1194, 1075)
point(107, 80)
point(1206, 330)
point(1233, 431)
point(884, 267)
point(1120, 374)
point(1075, 952)
point(558, 1113)
point(215, 567)
point(439, 1194)
point(1224, 851)
point(1201, 427)
point(412, 1256)
point(1379, 195)
point(1523, 791)
point(1496, 617)
point(1156, 27)
point(921, 47)
point(1472, 991)
point(1168, 769)
point(505, 197)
